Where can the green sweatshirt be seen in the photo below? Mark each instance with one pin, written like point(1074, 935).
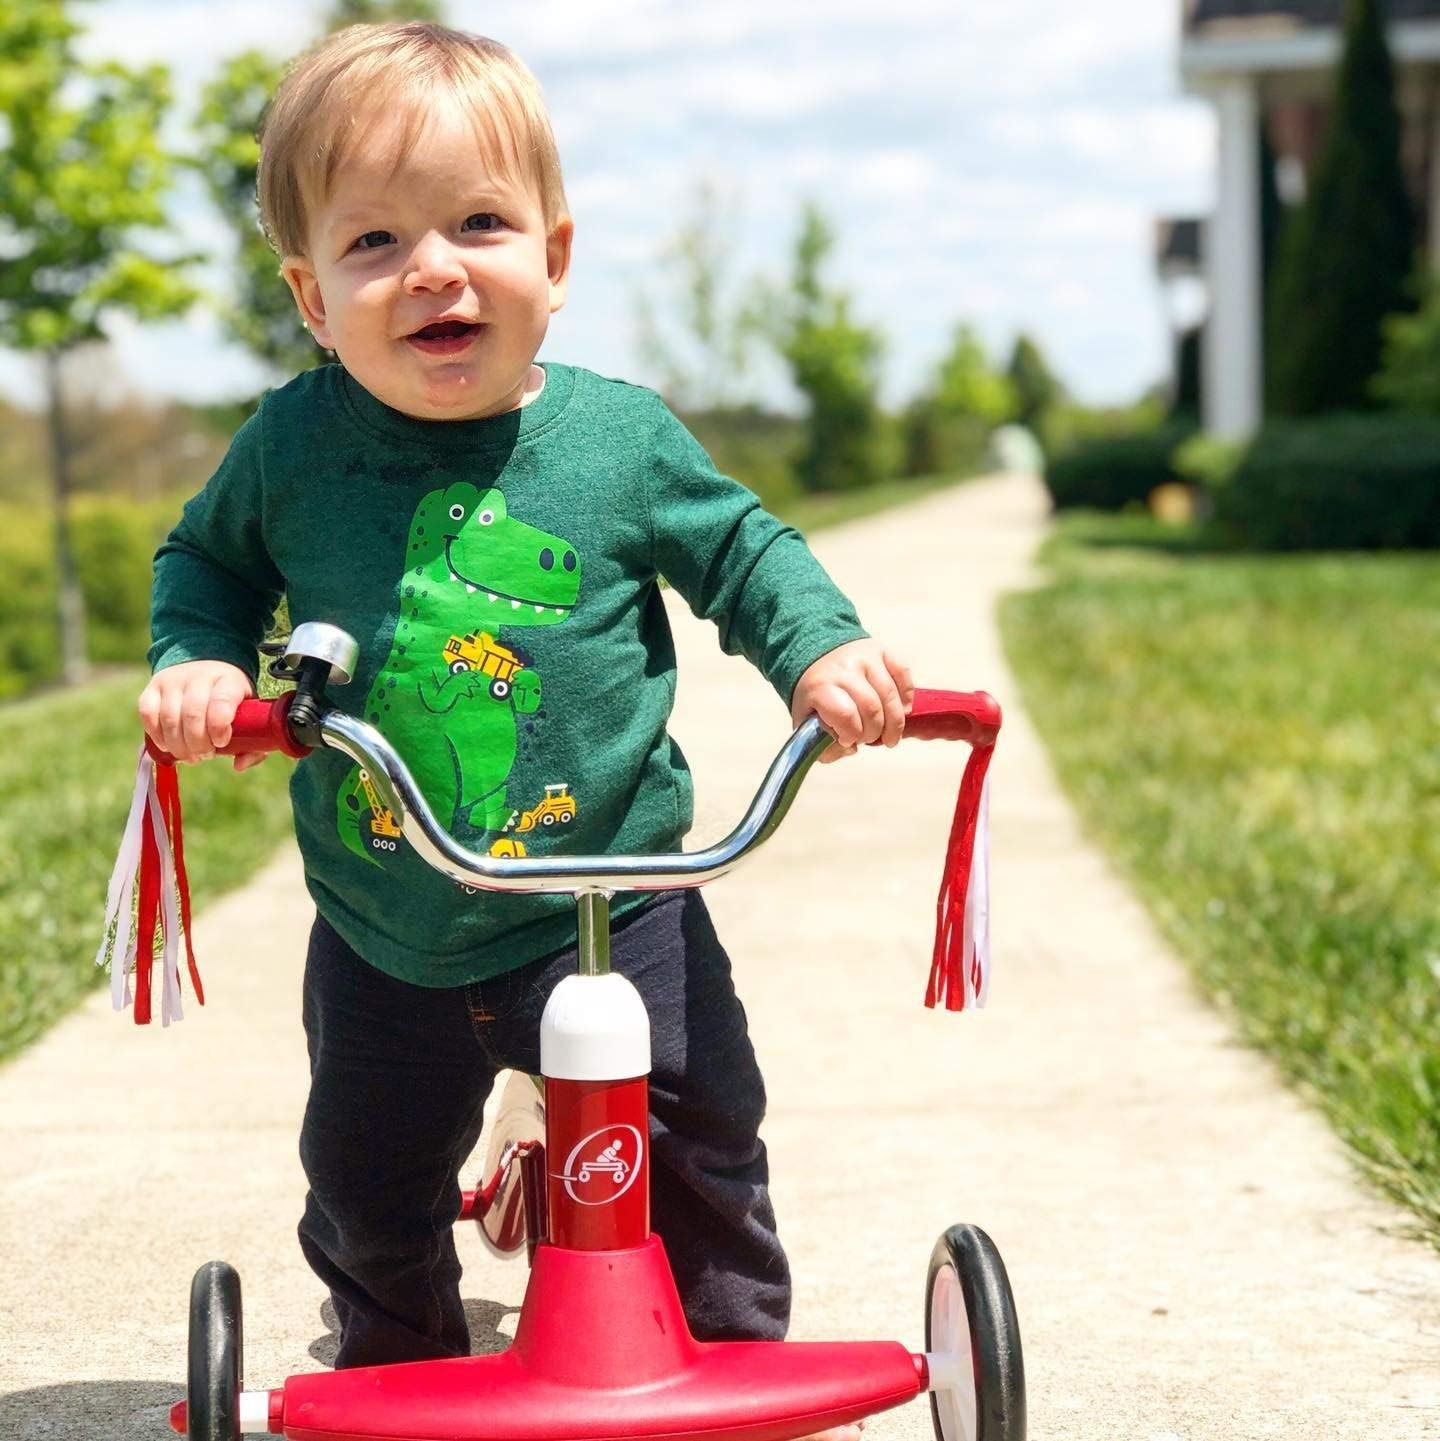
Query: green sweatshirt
point(500, 578)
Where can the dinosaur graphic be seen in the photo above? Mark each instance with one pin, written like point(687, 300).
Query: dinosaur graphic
point(449, 692)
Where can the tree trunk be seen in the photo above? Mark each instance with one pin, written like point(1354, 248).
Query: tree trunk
point(71, 601)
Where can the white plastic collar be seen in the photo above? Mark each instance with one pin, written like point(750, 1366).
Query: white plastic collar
point(595, 1029)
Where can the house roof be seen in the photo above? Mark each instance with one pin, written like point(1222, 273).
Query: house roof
point(1233, 15)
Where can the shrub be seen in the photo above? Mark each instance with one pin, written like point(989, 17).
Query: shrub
point(114, 543)
point(29, 640)
point(1112, 473)
point(1343, 482)
point(934, 443)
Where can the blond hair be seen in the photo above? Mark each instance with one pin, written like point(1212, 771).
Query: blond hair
point(335, 95)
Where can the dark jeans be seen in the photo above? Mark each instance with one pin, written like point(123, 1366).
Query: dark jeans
point(399, 1074)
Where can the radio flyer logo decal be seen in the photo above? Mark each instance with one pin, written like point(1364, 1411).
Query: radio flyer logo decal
point(603, 1165)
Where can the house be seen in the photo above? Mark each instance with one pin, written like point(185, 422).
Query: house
point(1271, 62)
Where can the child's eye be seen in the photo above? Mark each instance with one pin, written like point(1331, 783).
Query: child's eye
point(490, 221)
point(380, 237)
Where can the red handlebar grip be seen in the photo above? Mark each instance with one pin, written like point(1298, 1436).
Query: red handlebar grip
point(951, 715)
point(260, 725)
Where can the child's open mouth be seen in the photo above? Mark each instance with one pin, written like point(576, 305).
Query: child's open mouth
point(445, 337)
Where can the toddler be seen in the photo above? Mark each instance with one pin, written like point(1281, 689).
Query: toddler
point(491, 531)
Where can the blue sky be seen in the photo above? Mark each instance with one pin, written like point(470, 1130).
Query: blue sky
point(998, 161)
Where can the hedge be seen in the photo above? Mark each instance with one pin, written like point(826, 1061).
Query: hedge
point(1112, 473)
point(1342, 482)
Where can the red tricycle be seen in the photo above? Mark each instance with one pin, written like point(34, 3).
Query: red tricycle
point(602, 1349)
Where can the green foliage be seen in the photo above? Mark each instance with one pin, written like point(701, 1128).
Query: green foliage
point(1207, 461)
point(261, 315)
point(833, 361)
point(258, 310)
point(702, 362)
point(1253, 742)
point(81, 170)
point(64, 822)
point(1348, 252)
point(967, 385)
point(1034, 389)
point(1409, 376)
point(1109, 474)
point(1069, 425)
point(114, 543)
point(1346, 482)
point(948, 425)
point(934, 442)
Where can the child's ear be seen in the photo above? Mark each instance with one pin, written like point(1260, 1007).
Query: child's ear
point(300, 277)
point(557, 260)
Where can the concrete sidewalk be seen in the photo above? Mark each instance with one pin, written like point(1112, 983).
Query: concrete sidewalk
point(1191, 1254)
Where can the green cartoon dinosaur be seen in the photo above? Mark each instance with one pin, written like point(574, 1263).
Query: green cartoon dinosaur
point(449, 691)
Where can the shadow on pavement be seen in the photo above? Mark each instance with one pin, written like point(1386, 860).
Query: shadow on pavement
point(140, 1410)
point(483, 1318)
point(90, 1411)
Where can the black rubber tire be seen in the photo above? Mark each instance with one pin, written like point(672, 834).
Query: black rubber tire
point(999, 1364)
point(215, 1377)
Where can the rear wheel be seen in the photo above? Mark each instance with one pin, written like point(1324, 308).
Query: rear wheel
point(973, 1335)
point(519, 1122)
point(213, 1382)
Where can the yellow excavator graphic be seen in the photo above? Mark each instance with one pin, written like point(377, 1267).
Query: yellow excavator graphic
point(383, 830)
point(481, 651)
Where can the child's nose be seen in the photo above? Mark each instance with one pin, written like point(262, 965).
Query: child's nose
point(434, 262)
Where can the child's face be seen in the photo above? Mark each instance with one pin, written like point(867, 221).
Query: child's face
point(448, 235)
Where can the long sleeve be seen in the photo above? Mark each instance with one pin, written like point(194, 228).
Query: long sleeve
point(216, 586)
point(737, 565)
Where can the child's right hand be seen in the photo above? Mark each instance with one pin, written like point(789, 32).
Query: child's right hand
point(188, 709)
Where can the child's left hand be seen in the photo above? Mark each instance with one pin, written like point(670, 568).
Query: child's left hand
point(861, 693)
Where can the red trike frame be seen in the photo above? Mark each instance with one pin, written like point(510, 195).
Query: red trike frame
point(602, 1350)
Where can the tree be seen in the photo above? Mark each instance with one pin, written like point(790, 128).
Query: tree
point(1409, 375)
point(81, 170)
point(1347, 253)
point(833, 363)
point(946, 427)
point(261, 315)
point(1034, 388)
point(704, 366)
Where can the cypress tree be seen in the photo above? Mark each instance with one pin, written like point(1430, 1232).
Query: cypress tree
point(1347, 252)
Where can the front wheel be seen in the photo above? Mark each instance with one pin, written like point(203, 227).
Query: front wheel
point(213, 1382)
point(973, 1336)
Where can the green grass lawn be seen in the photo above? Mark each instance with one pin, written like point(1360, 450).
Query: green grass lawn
point(67, 772)
point(1256, 740)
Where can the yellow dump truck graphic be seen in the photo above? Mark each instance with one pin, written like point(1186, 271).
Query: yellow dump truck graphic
point(558, 806)
point(383, 830)
point(481, 651)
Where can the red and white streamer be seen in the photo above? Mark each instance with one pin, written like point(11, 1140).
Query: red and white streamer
point(960, 963)
point(152, 862)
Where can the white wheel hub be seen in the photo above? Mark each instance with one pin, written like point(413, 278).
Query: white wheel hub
point(951, 1361)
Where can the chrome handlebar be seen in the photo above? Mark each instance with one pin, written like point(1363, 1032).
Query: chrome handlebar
point(577, 875)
